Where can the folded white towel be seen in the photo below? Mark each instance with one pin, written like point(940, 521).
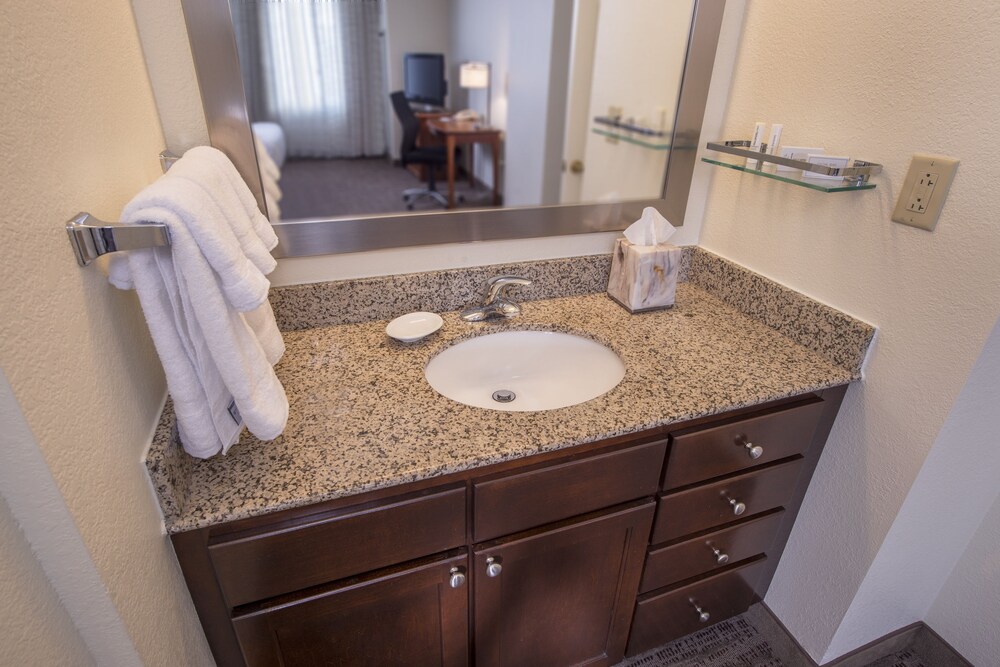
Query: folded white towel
point(259, 222)
point(270, 174)
point(273, 208)
point(273, 138)
point(244, 285)
point(200, 166)
point(217, 359)
point(268, 167)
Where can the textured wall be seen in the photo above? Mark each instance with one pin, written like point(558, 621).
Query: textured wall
point(933, 295)
point(81, 133)
point(171, 73)
point(945, 506)
point(36, 628)
point(966, 610)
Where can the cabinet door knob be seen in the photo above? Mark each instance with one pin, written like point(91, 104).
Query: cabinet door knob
point(457, 578)
point(720, 557)
point(738, 507)
point(703, 615)
point(493, 568)
point(755, 451)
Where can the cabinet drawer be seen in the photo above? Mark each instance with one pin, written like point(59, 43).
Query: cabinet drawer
point(404, 617)
point(520, 501)
point(668, 616)
point(676, 562)
point(727, 448)
point(287, 559)
point(703, 507)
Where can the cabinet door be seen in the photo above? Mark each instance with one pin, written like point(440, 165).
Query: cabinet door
point(562, 596)
point(409, 617)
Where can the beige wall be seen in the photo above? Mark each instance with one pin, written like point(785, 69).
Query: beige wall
point(900, 78)
point(81, 133)
point(36, 628)
point(966, 609)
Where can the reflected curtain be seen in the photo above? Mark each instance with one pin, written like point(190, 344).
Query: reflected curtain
point(316, 68)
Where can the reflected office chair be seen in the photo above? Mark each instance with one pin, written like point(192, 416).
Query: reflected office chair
point(431, 157)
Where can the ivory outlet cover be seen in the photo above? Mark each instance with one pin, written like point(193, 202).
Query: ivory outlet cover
point(923, 193)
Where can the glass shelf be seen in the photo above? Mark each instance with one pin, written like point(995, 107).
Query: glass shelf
point(621, 136)
point(795, 178)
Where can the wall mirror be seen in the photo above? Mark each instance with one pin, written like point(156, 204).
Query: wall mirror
point(532, 118)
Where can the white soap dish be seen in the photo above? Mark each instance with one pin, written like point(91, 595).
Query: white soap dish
point(414, 326)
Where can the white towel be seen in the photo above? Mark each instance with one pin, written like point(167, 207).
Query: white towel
point(218, 360)
point(273, 209)
point(270, 174)
point(201, 166)
point(259, 222)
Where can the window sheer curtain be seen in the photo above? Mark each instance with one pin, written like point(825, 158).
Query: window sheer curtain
point(316, 68)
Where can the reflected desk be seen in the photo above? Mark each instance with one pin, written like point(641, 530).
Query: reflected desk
point(456, 132)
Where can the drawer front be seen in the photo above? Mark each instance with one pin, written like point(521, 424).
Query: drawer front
point(712, 551)
point(752, 441)
point(525, 500)
point(408, 617)
point(285, 560)
point(671, 615)
point(704, 507)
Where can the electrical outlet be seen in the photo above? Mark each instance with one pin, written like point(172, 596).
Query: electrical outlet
point(924, 190)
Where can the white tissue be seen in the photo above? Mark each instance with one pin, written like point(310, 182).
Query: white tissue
point(651, 229)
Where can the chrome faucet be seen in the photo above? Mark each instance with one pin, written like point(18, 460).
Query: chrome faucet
point(495, 300)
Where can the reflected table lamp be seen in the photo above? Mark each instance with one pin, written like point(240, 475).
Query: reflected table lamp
point(476, 75)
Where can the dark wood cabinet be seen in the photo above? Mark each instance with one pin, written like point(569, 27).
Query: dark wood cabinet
point(716, 503)
point(512, 502)
point(534, 561)
point(259, 564)
point(412, 616)
point(710, 551)
point(563, 596)
point(680, 611)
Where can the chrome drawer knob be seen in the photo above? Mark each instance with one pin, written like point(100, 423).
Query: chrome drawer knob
point(720, 557)
point(738, 507)
point(703, 615)
point(755, 451)
point(493, 568)
point(457, 578)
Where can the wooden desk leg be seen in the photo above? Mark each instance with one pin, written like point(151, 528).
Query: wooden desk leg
point(451, 171)
point(496, 172)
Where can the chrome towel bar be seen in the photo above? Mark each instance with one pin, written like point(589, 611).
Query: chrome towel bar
point(92, 238)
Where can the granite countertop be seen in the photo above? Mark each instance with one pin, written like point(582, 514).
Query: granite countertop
point(362, 416)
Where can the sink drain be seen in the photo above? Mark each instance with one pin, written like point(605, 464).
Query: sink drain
point(504, 396)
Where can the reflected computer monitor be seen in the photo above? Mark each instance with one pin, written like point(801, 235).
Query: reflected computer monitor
point(423, 78)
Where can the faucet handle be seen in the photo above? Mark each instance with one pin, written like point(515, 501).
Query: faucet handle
point(495, 286)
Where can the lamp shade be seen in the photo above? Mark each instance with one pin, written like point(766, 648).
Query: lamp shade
point(474, 75)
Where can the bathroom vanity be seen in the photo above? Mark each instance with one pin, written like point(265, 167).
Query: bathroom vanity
point(390, 525)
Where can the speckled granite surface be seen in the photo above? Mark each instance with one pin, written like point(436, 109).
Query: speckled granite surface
point(363, 417)
point(346, 302)
point(838, 337)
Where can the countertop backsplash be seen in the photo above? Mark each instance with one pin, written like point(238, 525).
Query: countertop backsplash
point(383, 298)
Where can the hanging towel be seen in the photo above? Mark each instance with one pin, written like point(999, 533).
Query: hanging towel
point(206, 305)
point(202, 166)
point(270, 174)
point(259, 222)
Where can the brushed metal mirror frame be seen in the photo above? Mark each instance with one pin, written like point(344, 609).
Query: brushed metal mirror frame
point(213, 47)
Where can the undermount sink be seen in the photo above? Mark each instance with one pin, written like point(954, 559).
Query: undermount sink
point(525, 370)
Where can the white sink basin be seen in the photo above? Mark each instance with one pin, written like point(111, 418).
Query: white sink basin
point(525, 370)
